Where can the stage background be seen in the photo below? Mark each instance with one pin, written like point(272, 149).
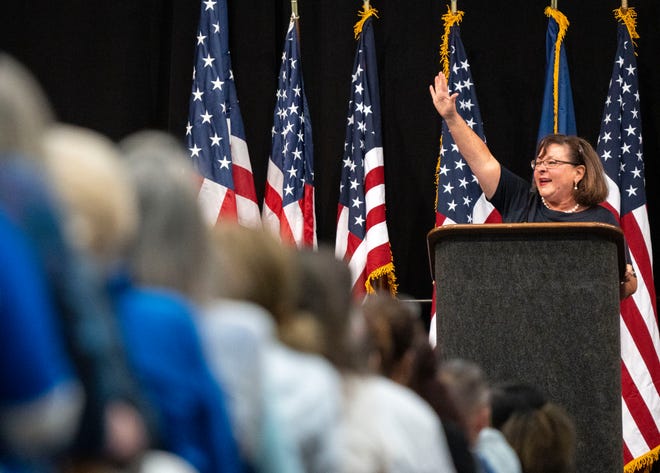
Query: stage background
point(125, 65)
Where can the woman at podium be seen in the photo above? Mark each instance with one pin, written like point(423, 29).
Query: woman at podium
point(568, 184)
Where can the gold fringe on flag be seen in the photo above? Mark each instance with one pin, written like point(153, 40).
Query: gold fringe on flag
point(644, 463)
point(628, 16)
point(437, 174)
point(382, 277)
point(450, 19)
point(563, 23)
point(367, 11)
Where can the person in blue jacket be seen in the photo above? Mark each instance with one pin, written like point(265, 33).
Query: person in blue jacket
point(156, 324)
point(40, 397)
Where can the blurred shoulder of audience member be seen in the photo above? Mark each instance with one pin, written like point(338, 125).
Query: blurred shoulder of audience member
point(40, 398)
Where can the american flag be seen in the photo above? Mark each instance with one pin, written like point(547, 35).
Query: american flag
point(214, 133)
point(459, 198)
point(288, 208)
point(362, 238)
point(620, 149)
point(557, 114)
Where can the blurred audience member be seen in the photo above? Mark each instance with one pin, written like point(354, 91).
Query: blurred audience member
point(284, 400)
point(540, 431)
point(471, 393)
point(401, 352)
point(171, 245)
point(25, 111)
point(157, 324)
point(40, 399)
point(385, 427)
point(84, 316)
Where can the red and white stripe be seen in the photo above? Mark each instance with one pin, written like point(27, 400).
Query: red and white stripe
point(240, 205)
point(366, 257)
point(640, 340)
point(295, 223)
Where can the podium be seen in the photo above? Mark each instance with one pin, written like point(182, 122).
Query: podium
point(539, 303)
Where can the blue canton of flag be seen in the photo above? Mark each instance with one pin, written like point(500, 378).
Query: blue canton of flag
point(558, 114)
point(620, 149)
point(214, 133)
point(459, 198)
point(362, 237)
point(620, 139)
point(289, 197)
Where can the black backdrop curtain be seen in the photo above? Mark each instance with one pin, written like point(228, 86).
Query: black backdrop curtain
point(124, 65)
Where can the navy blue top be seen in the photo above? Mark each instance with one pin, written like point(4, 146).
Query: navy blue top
point(515, 200)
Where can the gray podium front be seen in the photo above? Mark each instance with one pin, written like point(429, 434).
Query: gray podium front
point(539, 303)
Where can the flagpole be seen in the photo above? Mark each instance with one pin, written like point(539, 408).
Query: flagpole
point(553, 4)
point(295, 17)
point(624, 5)
point(366, 5)
point(454, 7)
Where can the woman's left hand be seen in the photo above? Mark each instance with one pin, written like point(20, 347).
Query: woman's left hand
point(629, 283)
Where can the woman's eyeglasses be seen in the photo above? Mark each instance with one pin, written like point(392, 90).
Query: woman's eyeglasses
point(550, 163)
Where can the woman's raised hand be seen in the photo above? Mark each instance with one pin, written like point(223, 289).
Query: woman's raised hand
point(444, 103)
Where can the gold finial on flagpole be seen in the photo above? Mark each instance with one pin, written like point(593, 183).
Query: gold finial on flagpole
point(294, 9)
point(553, 4)
point(367, 12)
point(454, 7)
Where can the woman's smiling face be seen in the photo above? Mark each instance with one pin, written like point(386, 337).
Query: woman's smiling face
point(556, 184)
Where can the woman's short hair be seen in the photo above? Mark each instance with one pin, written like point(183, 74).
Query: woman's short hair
point(252, 265)
point(543, 438)
point(541, 432)
point(93, 184)
point(592, 189)
point(325, 296)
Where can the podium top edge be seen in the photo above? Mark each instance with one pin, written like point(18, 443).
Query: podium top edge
point(545, 229)
point(604, 230)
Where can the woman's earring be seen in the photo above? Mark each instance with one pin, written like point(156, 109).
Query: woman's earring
point(575, 186)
